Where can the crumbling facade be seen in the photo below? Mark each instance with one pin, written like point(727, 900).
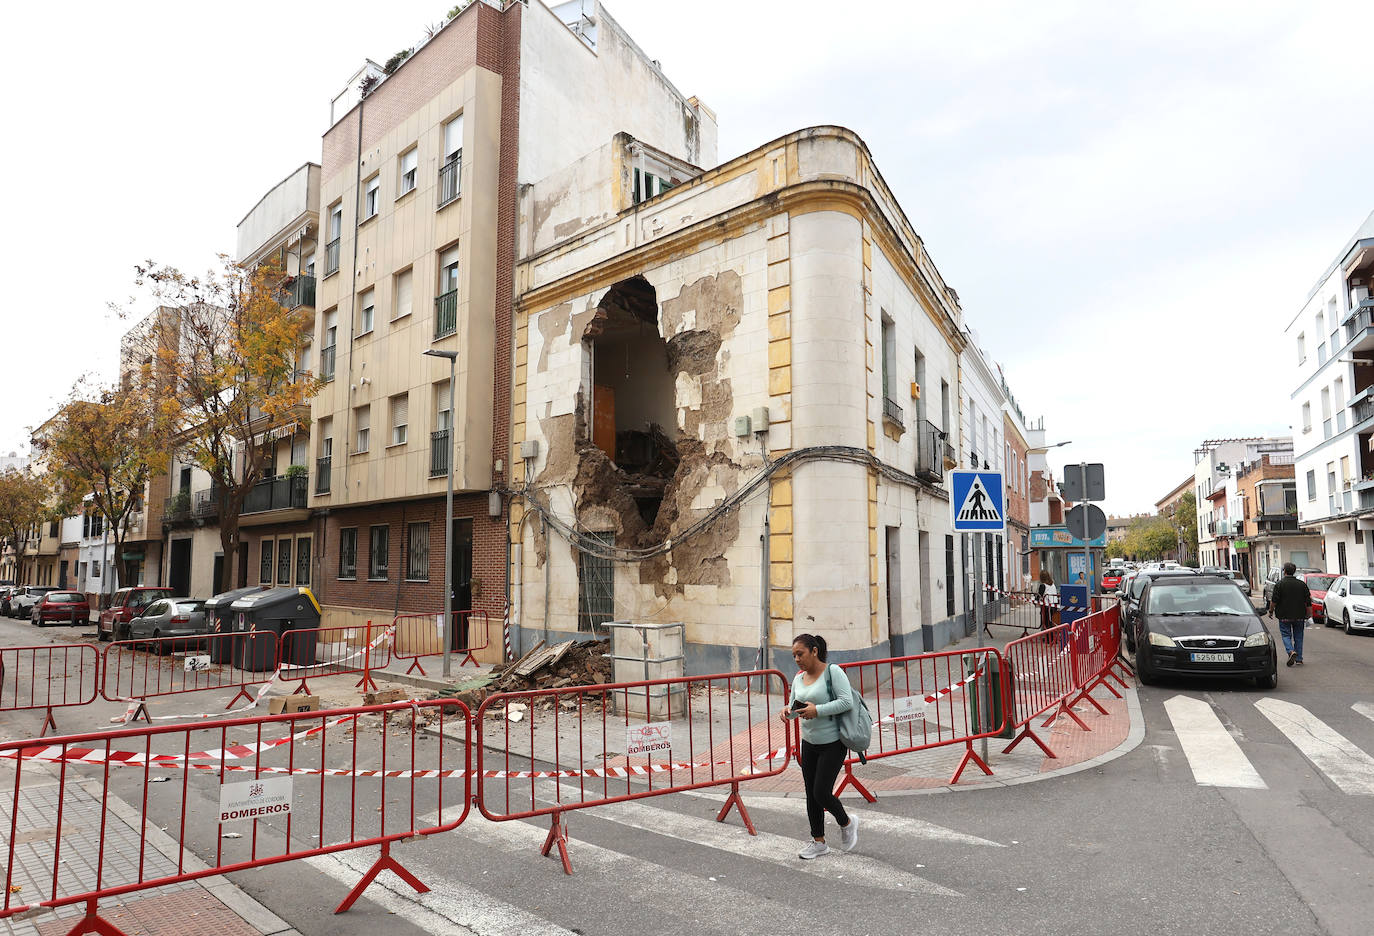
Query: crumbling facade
point(735, 400)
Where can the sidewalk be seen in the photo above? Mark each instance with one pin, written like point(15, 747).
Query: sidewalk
point(210, 906)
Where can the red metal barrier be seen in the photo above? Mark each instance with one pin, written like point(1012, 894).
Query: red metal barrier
point(141, 669)
point(423, 636)
point(926, 701)
point(1048, 669)
point(290, 786)
point(329, 651)
point(48, 677)
point(706, 731)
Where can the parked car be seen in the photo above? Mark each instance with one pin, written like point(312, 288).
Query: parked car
point(1111, 578)
point(1131, 597)
point(1203, 625)
point(172, 617)
point(1272, 579)
point(126, 605)
point(1350, 603)
point(1318, 583)
point(61, 607)
point(21, 606)
point(5, 594)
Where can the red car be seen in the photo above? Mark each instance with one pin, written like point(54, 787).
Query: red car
point(61, 607)
point(1317, 584)
point(127, 604)
point(1111, 579)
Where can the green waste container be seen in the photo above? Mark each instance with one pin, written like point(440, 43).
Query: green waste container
point(988, 717)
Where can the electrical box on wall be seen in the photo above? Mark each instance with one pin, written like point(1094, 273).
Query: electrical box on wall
point(529, 448)
point(742, 426)
point(915, 390)
point(494, 505)
point(760, 419)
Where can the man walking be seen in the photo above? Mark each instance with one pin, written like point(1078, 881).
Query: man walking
point(1291, 604)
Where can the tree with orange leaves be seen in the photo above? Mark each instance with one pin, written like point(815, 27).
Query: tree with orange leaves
point(227, 350)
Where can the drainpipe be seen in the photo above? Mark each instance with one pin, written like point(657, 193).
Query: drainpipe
point(352, 295)
point(763, 581)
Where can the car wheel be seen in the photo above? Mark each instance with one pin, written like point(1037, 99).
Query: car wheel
point(1347, 622)
point(1268, 681)
point(1143, 672)
point(158, 647)
point(101, 634)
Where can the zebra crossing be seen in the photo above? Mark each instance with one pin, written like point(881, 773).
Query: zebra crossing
point(1217, 758)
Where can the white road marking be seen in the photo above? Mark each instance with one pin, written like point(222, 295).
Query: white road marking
point(1214, 756)
point(1345, 765)
point(853, 868)
point(630, 874)
point(447, 910)
point(871, 821)
point(1365, 708)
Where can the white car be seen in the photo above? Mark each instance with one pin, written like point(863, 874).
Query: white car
point(1350, 603)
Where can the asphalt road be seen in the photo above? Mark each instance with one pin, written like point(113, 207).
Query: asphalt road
point(1241, 812)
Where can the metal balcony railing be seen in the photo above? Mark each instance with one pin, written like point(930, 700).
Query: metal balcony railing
point(205, 504)
point(450, 174)
point(892, 410)
point(438, 453)
point(930, 451)
point(1362, 410)
point(331, 257)
point(324, 469)
point(177, 507)
point(327, 363)
point(299, 292)
point(446, 313)
point(284, 492)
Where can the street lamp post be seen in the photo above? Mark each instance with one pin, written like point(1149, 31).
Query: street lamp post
point(448, 509)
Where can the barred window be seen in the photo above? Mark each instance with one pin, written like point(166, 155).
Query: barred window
point(303, 561)
point(348, 553)
point(417, 553)
point(284, 562)
point(265, 573)
point(377, 561)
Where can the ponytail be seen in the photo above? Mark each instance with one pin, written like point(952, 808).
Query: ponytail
point(813, 642)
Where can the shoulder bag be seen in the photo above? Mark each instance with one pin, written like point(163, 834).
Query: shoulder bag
point(856, 725)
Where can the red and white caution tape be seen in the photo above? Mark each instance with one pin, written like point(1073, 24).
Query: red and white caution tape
point(939, 694)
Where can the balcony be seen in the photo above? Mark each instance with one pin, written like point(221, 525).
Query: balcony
point(205, 504)
point(1362, 410)
point(892, 410)
point(446, 314)
point(331, 257)
point(300, 291)
point(930, 451)
point(439, 448)
point(327, 363)
point(1278, 524)
point(177, 508)
point(450, 176)
point(951, 456)
point(282, 493)
point(1358, 318)
point(323, 473)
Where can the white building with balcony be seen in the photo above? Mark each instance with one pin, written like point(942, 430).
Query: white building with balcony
point(1215, 463)
point(1332, 342)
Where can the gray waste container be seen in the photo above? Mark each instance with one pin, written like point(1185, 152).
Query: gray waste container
point(267, 616)
point(219, 619)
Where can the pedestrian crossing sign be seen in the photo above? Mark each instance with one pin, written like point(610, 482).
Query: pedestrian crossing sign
point(978, 501)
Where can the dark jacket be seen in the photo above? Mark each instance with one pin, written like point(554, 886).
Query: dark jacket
point(1291, 600)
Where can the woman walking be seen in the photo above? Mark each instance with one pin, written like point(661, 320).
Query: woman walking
point(820, 692)
point(1048, 597)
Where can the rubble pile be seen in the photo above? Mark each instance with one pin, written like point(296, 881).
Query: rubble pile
point(569, 663)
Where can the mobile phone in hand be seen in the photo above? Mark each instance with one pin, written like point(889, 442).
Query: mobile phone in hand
point(796, 710)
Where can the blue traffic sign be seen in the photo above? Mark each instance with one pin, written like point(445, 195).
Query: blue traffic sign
point(978, 501)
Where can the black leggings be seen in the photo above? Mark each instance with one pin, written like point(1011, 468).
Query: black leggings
point(820, 765)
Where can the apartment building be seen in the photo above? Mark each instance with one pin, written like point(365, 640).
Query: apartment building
point(278, 530)
point(1215, 463)
point(1332, 341)
point(419, 179)
point(1266, 514)
point(981, 421)
point(737, 397)
point(1015, 458)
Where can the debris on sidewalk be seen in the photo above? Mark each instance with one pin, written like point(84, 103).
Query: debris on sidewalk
point(565, 664)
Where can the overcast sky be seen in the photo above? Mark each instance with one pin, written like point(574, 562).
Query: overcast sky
point(1132, 200)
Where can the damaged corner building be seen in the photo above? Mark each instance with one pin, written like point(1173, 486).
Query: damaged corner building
point(735, 401)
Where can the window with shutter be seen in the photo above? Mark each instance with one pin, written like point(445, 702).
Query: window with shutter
point(409, 161)
point(400, 406)
point(402, 298)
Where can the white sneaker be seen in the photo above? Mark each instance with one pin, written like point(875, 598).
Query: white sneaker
point(849, 835)
point(813, 849)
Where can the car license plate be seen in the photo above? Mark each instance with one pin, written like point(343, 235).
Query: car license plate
point(1214, 657)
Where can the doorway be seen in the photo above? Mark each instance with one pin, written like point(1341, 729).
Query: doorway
point(462, 578)
point(179, 567)
point(219, 573)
